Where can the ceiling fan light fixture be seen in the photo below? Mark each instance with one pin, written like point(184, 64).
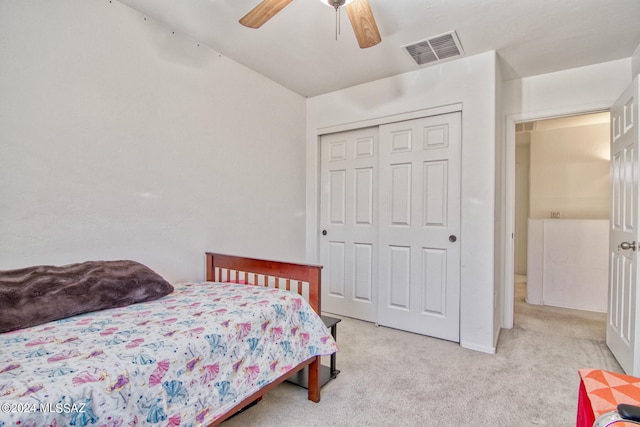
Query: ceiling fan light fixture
point(336, 3)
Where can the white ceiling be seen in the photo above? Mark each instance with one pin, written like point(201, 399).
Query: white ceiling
point(298, 48)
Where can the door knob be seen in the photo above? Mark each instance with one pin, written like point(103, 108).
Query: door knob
point(324, 232)
point(452, 238)
point(626, 245)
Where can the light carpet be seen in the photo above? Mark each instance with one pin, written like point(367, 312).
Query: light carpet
point(395, 378)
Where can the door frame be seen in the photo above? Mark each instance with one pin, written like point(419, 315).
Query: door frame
point(509, 205)
point(383, 120)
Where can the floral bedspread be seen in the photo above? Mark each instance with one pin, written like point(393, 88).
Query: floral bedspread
point(182, 360)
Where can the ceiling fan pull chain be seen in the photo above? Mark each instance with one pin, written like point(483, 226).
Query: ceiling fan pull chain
point(337, 22)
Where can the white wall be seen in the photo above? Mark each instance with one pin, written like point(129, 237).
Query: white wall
point(579, 90)
point(570, 172)
point(569, 262)
point(119, 139)
point(635, 59)
point(470, 81)
point(522, 160)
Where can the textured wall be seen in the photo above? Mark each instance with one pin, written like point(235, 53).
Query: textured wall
point(120, 138)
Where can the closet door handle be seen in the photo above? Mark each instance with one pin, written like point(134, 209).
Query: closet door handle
point(452, 238)
point(626, 246)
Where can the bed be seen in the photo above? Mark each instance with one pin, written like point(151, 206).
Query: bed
point(194, 356)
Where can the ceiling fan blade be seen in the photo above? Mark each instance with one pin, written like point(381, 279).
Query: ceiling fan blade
point(363, 23)
point(263, 12)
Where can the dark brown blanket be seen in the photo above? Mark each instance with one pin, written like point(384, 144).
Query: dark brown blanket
point(36, 295)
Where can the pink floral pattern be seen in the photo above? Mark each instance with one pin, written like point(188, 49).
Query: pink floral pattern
point(182, 360)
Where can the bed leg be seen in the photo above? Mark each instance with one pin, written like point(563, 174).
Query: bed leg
point(314, 380)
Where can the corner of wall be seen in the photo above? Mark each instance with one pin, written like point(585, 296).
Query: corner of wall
point(635, 62)
point(500, 293)
point(480, 348)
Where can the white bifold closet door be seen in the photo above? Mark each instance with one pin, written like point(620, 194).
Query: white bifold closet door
point(349, 223)
point(419, 231)
point(391, 253)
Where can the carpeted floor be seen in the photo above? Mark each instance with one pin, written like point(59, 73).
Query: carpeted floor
point(394, 378)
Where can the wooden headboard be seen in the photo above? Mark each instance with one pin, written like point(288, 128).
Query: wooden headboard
point(261, 272)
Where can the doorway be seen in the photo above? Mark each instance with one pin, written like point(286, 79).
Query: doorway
point(561, 211)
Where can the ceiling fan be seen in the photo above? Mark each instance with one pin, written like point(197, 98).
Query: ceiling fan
point(359, 11)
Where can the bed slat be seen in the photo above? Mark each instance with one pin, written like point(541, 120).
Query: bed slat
point(306, 273)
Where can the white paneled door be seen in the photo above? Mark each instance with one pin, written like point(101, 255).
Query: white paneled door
point(622, 319)
point(419, 231)
point(348, 220)
point(390, 218)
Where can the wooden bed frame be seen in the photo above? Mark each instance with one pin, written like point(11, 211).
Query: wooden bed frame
point(259, 272)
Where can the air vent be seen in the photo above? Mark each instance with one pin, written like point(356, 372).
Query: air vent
point(434, 49)
point(525, 127)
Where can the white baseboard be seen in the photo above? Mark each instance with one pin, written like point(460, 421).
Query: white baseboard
point(481, 348)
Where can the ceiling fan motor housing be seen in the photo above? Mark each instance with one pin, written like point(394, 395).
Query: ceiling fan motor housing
point(336, 3)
